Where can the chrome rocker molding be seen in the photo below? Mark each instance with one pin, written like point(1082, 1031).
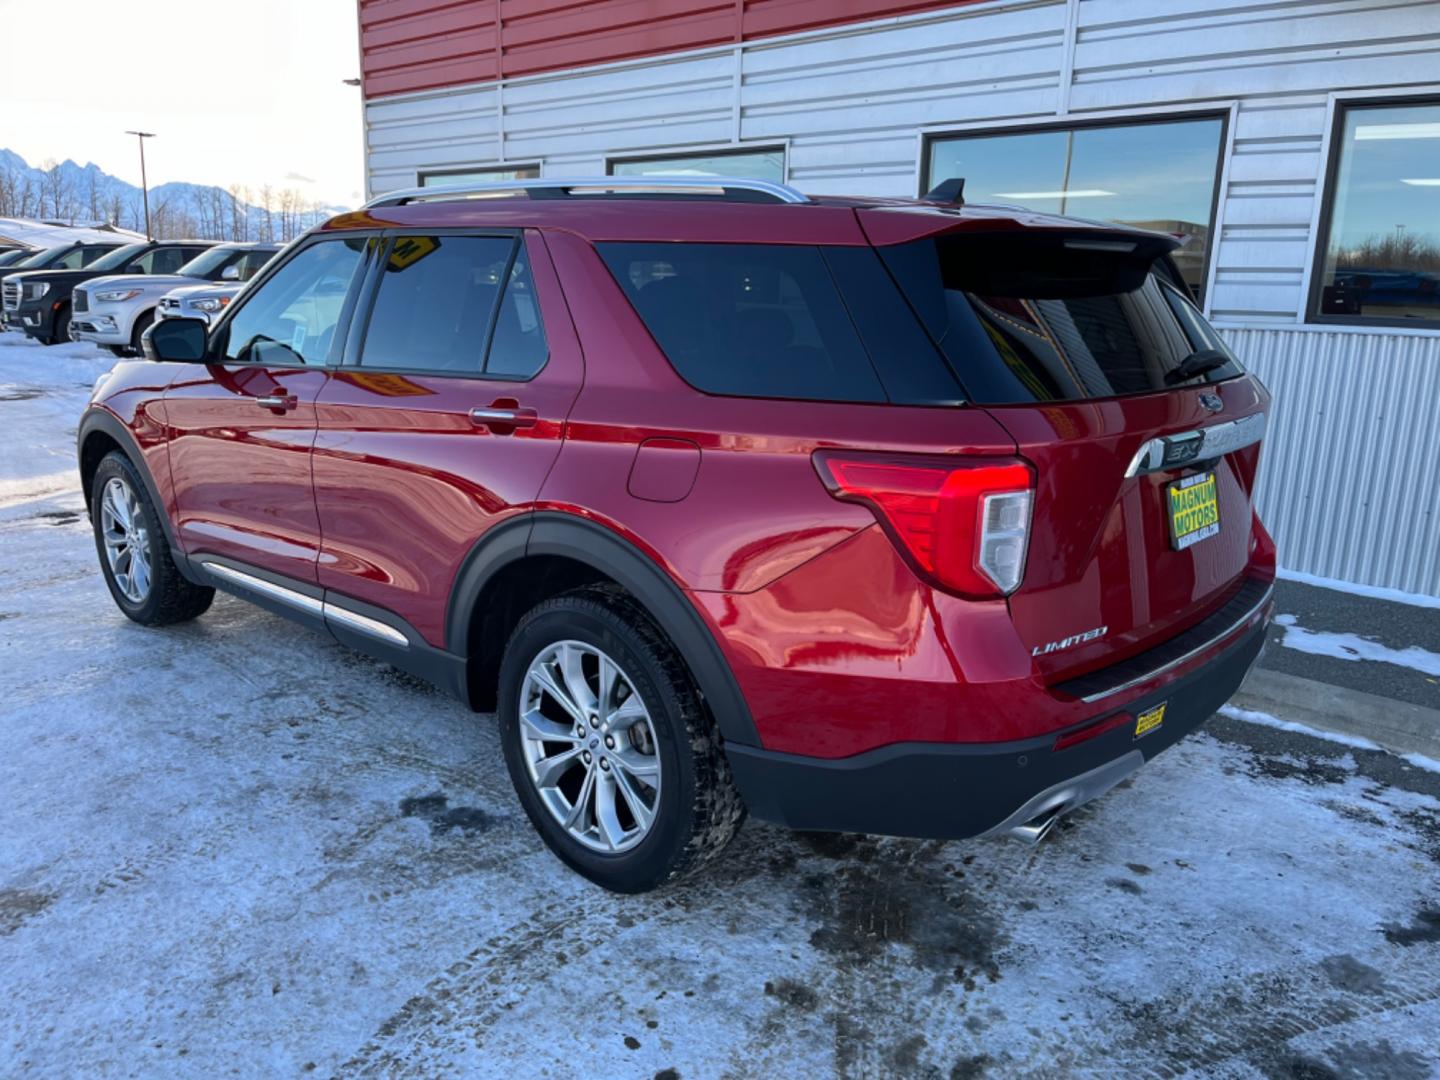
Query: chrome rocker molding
point(1202, 444)
point(324, 609)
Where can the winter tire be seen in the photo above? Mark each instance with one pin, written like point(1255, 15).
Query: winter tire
point(134, 553)
point(609, 746)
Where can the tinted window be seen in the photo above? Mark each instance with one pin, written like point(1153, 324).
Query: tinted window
point(753, 320)
point(164, 260)
point(518, 348)
point(252, 262)
point(1160, 176)
point(766, 164)
point(435, 303)
point(1028, 317)
point(291, 318)
point(1381, 257)
point(77, 259)
point(114, 260)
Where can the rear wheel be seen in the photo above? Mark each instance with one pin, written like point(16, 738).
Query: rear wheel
point(134, 554)
point(608, 744)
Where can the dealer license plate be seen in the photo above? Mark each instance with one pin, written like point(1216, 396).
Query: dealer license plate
point(1194, 510)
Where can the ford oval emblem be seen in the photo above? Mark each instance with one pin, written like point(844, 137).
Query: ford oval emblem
point(1211, 402)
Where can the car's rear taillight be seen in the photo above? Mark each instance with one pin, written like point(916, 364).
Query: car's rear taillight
point(963, 522)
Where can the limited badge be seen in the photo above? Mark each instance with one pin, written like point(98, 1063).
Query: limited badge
point(1149, 720)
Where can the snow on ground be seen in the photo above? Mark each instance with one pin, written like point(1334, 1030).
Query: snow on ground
point(233, 847)
point(1354, 647)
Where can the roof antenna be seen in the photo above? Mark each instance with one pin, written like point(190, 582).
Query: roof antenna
point(950, 192)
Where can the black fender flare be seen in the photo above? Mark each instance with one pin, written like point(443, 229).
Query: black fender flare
point(102, 420)
point(569, 536)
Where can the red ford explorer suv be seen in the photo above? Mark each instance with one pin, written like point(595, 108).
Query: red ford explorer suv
point(892, 516)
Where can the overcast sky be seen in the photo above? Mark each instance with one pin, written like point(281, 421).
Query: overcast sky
point(237, 93)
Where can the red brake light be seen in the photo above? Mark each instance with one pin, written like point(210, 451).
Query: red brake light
point(964, 522)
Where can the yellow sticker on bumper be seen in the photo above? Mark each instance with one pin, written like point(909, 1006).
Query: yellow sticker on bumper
point(1149, 720)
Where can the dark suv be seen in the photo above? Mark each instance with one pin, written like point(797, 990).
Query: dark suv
point(39, 301)
point(893, 516)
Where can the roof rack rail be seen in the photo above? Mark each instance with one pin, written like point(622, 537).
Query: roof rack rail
point(727, 188)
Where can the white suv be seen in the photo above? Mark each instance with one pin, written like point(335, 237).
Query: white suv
point(115, 311)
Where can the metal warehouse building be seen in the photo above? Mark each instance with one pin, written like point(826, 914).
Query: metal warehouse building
point(1292, 145)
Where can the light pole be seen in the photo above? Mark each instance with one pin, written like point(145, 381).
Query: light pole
point(141, 136)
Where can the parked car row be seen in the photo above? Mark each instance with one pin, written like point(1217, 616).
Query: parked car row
point(109, 293)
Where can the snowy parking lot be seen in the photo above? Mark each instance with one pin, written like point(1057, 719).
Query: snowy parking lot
point(235, 848)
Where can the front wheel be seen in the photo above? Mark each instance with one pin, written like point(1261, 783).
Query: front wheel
point(134, 553)
point(60, 330)
point(609, 746)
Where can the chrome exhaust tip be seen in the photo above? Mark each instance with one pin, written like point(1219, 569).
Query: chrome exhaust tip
point(1037, 828)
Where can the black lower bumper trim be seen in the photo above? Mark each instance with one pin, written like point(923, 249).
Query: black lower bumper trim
point(955, 790)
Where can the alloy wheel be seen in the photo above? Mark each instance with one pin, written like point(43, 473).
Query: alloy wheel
point(126, 539)
point(589, 746)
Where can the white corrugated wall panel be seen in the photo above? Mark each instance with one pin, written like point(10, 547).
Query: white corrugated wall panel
point(1347, 479)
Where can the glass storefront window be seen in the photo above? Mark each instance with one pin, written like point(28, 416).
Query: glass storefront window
point(766, 164)
point(480, 176)
point(1159, 175)
point(1380, 257)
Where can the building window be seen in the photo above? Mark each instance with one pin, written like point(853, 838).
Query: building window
point(1379, 258)
point(1161, 175)
point(765, 163)
point(479, 176)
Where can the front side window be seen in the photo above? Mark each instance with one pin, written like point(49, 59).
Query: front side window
point(166, 260)
point(479, 176)
point(435, 304)
point(1160, 175)
point(112, 260)
point(1380, 254)
point(766, 164)
point(750, 320)
point(291, 319)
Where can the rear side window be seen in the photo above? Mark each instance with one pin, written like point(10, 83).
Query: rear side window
point(748, 320)
point(436, 299)
point(1056, 317)
point(443, 299)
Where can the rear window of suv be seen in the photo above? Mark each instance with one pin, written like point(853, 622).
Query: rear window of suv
point(749, 320)
point(1054, 316)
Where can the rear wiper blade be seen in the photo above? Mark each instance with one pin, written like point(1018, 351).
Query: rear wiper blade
point(1197, 363)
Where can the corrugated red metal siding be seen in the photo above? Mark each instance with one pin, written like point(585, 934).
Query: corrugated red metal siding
point(424, 44)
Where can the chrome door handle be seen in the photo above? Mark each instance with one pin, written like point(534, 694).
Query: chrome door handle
point(499, 416)
point(276, 401)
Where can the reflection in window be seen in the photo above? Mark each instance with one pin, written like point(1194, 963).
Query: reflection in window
point(1159, 176)
point(1382, 250)
point(479, 176)
point(435, 303)
point(751, 164)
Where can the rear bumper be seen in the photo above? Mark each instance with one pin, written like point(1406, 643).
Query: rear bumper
point(955, 790)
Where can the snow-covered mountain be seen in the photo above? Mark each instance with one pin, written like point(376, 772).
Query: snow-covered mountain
point(87, 193)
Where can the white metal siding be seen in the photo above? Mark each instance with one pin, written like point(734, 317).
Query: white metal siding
point(1347, 479)
point(849, 104)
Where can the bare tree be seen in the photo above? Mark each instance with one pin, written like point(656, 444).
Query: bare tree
point(239, 212)
point(56, 188)
point(92, 196)
point(267, 207)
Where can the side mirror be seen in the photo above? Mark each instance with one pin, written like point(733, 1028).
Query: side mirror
point(135, 268)
point(176, 340)
point(230, 273)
